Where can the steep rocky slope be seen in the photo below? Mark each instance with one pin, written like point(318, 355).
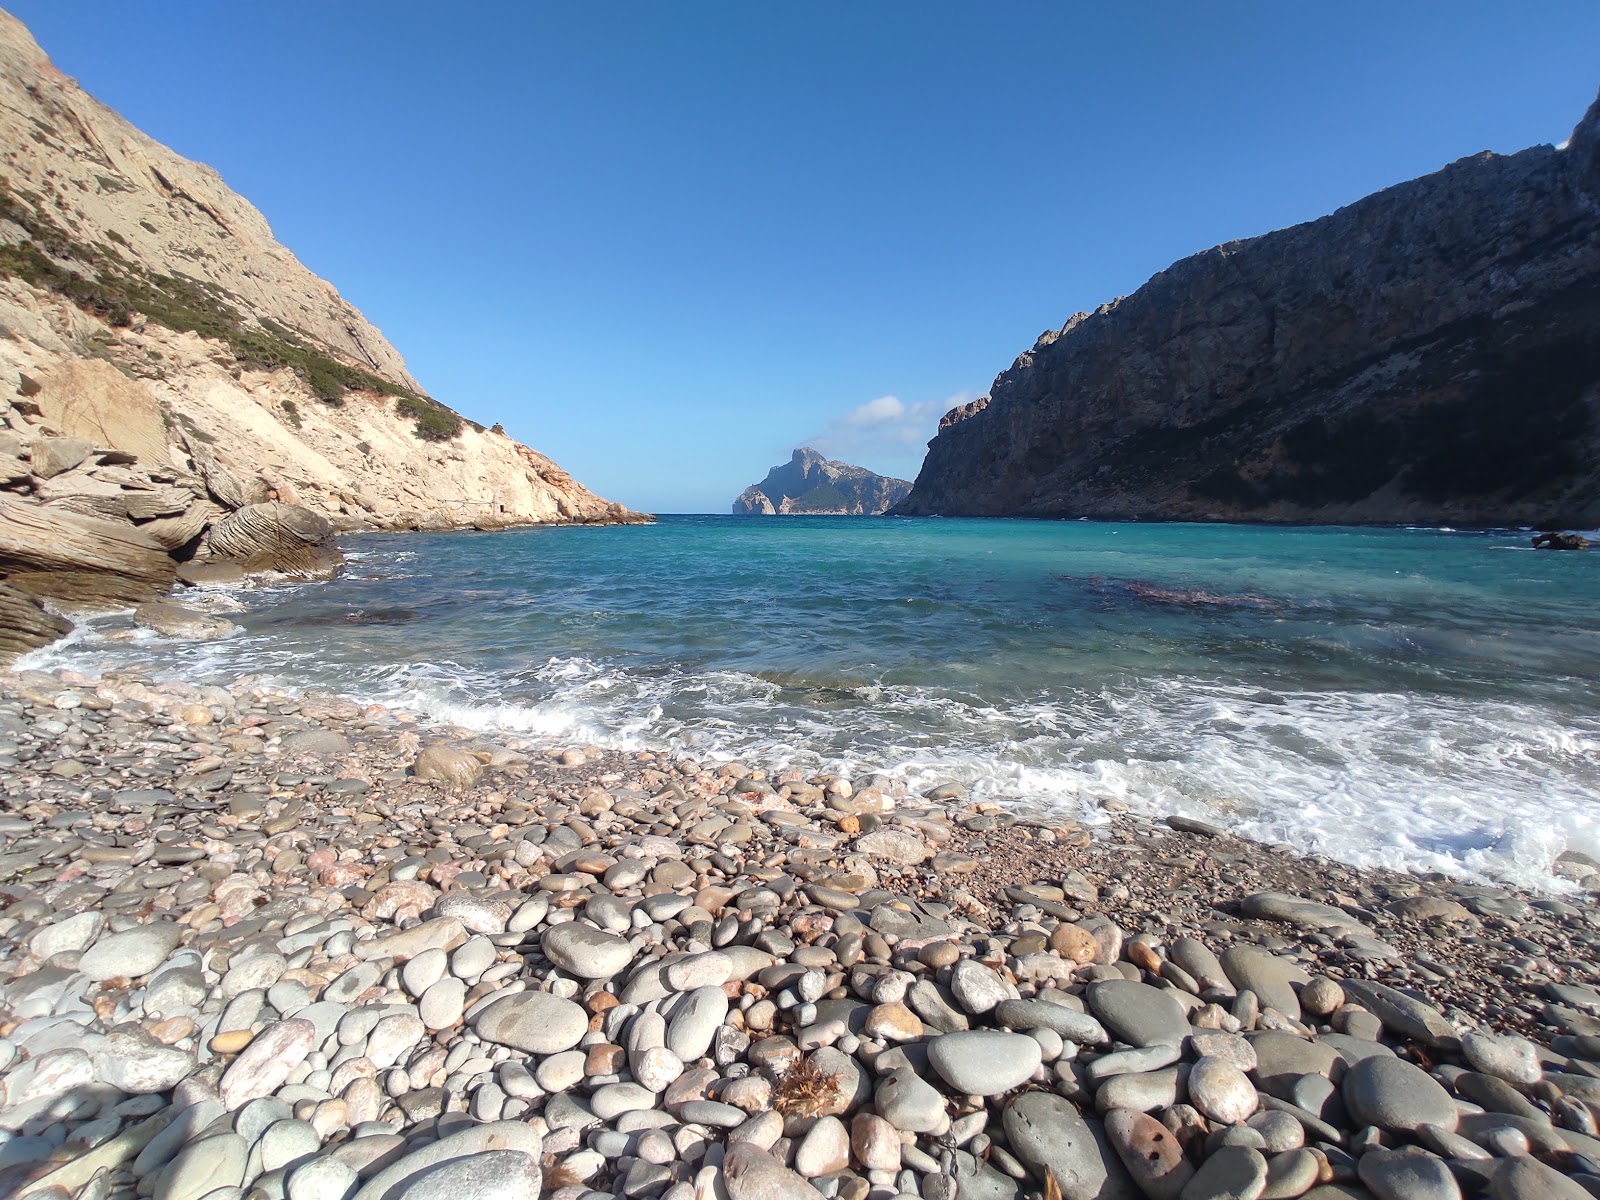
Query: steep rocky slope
point(165, 362)
point(1429, 353)
point(809, 484)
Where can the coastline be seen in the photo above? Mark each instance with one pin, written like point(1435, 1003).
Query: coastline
point(299, 915)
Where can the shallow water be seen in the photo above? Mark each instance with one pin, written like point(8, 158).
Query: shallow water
point(1414, 698)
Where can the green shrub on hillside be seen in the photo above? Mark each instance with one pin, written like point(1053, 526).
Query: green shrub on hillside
point(114, 288)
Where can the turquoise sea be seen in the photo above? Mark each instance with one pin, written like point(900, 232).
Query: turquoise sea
point(1410, 697)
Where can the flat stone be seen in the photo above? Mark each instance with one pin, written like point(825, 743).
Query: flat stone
point(136, 1063)
point(1231, 1173)
point(477, 914)
point(1530, 1179)
point(1267, 975)
point(1139, 1014)
point(70, 933)
point(977, 989)
point(1072, 1025)
point(423, 1164)
point(203, 1167)
point(131, 953)
point(1051, 1137)
point(324, 1178)
point(1391, 1175)
point(897, 845)
point(1396, 1096)
point(586, 952)
point(1302, 913)
point(750, 1173)
point(1402, 1014)
point(264, 1065)
point(984, 1062)
point(534, 1022)
point(316, 743)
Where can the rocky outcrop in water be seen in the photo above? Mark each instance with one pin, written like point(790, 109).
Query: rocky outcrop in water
point(164, 362)
point(1430, 353)
point(811, 485)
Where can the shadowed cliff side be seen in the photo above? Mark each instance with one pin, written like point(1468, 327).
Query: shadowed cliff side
point(1429, 353)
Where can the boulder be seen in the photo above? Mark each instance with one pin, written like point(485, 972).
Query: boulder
point(24, 623)
point(1553, 540)
point(274, 537)
point(175, 620)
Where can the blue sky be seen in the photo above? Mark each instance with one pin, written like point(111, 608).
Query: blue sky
point(665, 243)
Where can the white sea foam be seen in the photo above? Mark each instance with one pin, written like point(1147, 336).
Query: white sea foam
point(1475, 789)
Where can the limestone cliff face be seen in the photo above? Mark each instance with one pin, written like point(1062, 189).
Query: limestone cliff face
point(811, 485)
point(1429, 353)
point(133, 281)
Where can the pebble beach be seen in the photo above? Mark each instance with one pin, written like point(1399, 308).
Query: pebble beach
point(266, 945)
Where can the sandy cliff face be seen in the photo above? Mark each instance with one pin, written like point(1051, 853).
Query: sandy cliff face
point(809, 484)
point(133, 276)
point(1430, 353)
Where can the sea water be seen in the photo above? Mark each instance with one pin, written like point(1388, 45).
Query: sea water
point(1405, 697)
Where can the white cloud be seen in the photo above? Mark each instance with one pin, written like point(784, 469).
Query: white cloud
point(887, 430)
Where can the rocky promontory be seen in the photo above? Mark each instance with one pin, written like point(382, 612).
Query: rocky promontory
point(811, 485)
point(1430, 353)
point(180, 396)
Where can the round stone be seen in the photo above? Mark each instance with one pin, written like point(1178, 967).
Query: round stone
point(441, 1005)
point(824, 1150)
point(984, 1062)
point(1394, 1095)
point(976, 988)
point(1321, 996)
point(534, 1022)
point(1229, 1174)
point(875, 1143)
point(695, 1022)
point(1512, 1058)
point(586, 952)
point(131, 953)
point(1137, 1013)
point(1051, 1137)
point(910, 1104)
point(476, 914)
point(1221, 1091)
point(324, 1178)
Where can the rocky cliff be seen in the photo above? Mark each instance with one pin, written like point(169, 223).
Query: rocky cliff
point(164, 362)
point(809, 484)
point(1430, 353)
